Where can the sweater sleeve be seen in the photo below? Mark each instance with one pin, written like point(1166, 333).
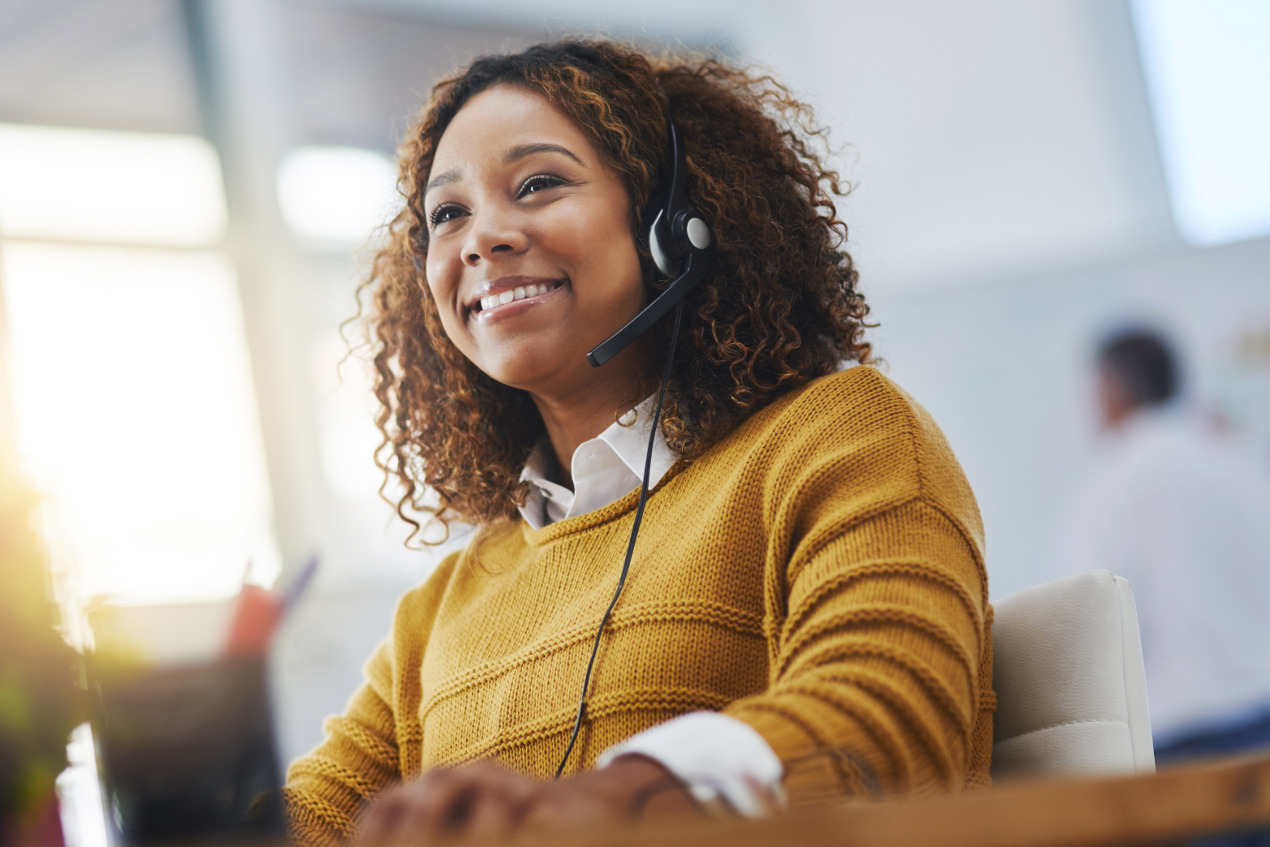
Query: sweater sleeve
point(878, 633)
point(327, 789)
point(376, 742)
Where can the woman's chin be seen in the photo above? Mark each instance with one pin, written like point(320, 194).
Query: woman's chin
point(563, 376)
point(538, 375)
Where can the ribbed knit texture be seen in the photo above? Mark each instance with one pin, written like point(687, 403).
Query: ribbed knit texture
point(818, 574)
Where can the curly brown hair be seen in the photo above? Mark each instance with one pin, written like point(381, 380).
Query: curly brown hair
point(779, 308)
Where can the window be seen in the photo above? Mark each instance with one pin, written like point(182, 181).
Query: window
point(133, 399)
point(337, 194)
point(1207, 70)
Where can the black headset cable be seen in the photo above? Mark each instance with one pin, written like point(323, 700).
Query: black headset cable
point(630, 547)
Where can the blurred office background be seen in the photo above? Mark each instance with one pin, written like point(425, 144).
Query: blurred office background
point(187, 189)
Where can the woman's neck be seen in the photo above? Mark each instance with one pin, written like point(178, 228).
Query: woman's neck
point(570, 423)
point(577, 410)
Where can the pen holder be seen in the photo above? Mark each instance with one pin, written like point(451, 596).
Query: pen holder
point(187, 752)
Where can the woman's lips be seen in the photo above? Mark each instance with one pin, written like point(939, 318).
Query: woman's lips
point(513, 294)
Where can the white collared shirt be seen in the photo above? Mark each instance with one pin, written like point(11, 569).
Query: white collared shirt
point(604, 469)
point(724, 762)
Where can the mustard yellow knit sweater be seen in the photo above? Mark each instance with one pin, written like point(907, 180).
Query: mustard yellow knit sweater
point(818, 574)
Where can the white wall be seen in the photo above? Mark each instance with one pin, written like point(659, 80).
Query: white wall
point(988, 137)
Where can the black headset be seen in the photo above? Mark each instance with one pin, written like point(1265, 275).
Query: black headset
point(682, 247)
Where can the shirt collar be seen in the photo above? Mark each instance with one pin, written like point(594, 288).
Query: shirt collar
point(605, 468)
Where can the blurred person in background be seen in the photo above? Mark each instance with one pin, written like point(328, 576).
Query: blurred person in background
point(1181, 512)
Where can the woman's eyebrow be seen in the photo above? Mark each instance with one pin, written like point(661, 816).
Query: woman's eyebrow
point(520, 151)
point(439, 180)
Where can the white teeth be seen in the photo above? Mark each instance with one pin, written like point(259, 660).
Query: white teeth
point(518, 293)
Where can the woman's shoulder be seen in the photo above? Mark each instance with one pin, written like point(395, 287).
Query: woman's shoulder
point(418, 605)
point(461, 570)
point(855, 405)
point(861, 427)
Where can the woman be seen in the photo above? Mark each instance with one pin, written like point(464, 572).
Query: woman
point(806, 612)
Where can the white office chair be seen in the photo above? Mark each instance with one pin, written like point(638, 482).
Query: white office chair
point(1071, 693)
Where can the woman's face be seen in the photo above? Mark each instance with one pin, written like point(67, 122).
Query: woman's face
point(531, 259)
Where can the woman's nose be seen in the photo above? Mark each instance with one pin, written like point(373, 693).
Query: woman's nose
point(492, 233)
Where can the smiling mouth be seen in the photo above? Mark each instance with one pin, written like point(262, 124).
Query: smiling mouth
point(511, 295)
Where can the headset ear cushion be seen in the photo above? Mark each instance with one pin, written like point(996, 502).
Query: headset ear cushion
point(661, 256)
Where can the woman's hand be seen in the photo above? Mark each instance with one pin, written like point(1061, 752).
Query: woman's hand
point(486, 800)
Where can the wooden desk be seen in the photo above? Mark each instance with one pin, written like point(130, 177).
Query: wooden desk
point(1165, 806)
point(1158, 808)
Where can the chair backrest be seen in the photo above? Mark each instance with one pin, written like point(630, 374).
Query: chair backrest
point(1071, 693)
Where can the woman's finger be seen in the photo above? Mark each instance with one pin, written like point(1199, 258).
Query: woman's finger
point(500, 803)
point(413, 813)
point(383, 817)
point(440, 804)
point(481, 799)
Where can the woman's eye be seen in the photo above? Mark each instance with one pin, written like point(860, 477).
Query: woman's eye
point(444, 212)
point(538, 182)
